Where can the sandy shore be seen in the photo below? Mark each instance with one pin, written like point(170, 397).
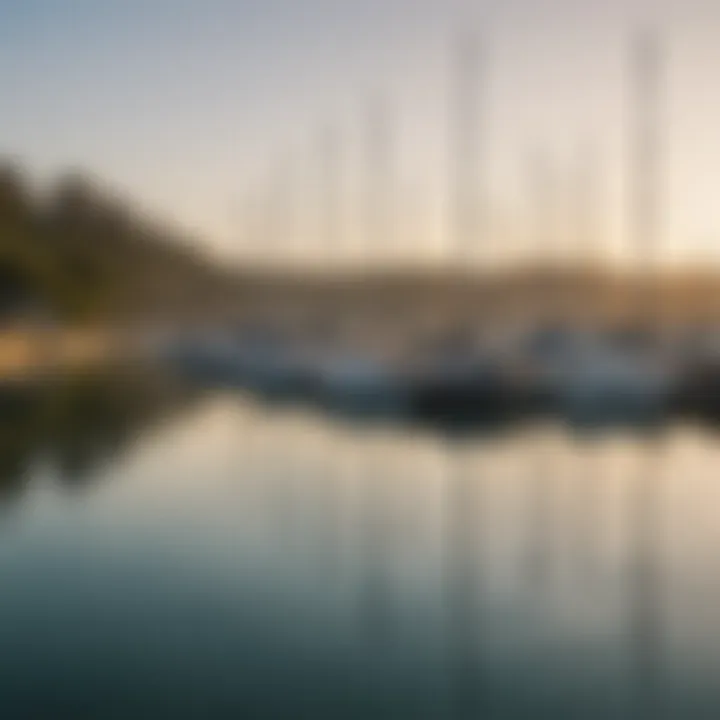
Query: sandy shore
point(26, 351)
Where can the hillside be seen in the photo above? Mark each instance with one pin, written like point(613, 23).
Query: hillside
point(74, 250)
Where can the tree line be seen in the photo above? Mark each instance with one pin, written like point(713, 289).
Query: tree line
point(73, 249)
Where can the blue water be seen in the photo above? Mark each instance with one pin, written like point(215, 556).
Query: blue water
point(174, 556)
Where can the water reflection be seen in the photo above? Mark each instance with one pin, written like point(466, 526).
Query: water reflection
point(79, 422)
point(645, 582)
point(274, 563)
point(463, 567)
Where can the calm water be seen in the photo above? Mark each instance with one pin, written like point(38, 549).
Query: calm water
point(175, 554)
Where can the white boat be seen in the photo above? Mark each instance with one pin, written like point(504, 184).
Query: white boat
point(594, 380)
point(270, 367)
point(355, 383)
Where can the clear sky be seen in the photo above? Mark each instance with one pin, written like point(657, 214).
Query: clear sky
point(194, 106)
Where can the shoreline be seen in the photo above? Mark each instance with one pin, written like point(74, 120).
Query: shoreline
point(28, 351)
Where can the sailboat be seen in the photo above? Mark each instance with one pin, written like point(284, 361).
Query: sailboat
point(360, 383)
point(596, 380)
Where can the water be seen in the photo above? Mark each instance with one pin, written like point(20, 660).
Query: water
point(182, 554)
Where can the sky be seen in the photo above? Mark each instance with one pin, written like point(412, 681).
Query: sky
point(210, 111)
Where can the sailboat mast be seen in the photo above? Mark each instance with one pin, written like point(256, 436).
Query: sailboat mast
point(645, 162)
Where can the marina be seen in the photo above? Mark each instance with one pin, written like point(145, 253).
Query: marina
point(579, 375)
point(360, 361)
